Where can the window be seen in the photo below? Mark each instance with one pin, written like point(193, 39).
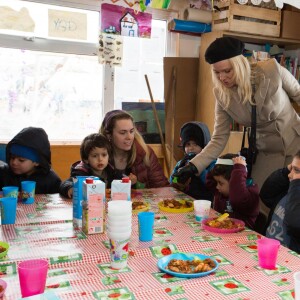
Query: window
point(142, 57)
point(60, 92)
point(58, 83)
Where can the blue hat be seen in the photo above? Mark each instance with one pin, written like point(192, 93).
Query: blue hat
point(25, 152)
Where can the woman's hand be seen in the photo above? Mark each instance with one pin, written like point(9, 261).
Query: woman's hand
point(181, 186)
point(185, 173)
point(132, 178)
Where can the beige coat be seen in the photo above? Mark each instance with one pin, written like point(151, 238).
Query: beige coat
point(278, 124)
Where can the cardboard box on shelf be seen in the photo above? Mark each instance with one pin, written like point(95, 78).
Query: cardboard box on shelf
point(250, 19)
point(290, 25)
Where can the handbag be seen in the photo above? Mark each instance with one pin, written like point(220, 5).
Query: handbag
point(251, 152)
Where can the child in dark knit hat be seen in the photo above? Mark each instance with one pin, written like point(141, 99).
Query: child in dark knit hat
point(28, 157)
point(194, 137)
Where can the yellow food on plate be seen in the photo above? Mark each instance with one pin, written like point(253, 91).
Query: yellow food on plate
point(138, 206)
point(223, 224)
point(176, 204)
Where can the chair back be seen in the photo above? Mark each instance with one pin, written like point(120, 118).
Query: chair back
point(3, 152)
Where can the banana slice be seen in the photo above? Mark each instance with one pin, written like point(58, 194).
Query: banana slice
point(222, 217)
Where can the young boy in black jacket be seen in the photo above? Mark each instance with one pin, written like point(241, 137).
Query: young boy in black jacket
point(94, 151)
point(281, 193)
point(194, 136)
point(28, 157)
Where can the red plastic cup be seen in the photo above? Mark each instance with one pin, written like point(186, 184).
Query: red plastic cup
point(32, 276)
point(267, 250)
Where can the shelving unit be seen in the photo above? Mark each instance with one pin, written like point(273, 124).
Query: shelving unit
point(205, 110)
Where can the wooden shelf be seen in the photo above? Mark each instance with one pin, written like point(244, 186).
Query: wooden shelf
point(261, 40)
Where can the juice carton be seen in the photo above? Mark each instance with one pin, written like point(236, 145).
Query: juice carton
point(77, 199)
point(93, 206)
point(121, 189)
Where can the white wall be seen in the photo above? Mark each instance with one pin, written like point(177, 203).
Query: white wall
point(189, 45)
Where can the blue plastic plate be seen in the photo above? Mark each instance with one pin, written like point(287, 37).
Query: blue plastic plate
point(163, 262)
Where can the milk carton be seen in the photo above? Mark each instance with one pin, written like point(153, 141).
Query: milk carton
point(93, 206)
point(77, 199)
point(121, 189)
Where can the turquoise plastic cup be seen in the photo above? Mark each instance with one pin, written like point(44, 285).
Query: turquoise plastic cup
point(146, 223)
point(28, 191)
point(8, 206)
point(10, 191)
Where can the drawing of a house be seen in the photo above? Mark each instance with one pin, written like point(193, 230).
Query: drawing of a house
point(129, 25)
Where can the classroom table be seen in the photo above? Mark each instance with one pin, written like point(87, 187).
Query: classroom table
point(79, 265)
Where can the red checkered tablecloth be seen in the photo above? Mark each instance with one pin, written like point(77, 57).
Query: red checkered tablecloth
point(79, 265)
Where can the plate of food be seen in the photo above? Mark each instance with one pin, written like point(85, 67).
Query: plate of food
point(139, 206)
point(176, 206)
point(188, 265)
point(223, 225)
point(3, 249)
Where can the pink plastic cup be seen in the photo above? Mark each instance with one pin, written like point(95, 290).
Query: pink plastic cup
point(3, 285)
point(267, 253)
point(32, 276)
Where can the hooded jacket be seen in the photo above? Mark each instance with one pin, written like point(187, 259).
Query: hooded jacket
point(47, 181)
point(199, 133)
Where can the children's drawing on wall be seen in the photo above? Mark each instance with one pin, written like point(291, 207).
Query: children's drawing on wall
point(110, 49)
point(143, 3)
point(16, 20)
point(158, 3)
point(124, 21)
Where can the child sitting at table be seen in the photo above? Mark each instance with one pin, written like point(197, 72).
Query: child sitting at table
point(281, 193)
point(234, 193)
point(28, 157)
point(194, 136)
point(94, 151)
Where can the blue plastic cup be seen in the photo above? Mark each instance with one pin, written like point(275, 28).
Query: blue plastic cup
point(10, 191)
point(8, 207)
point(146, 223)
point(28, 191)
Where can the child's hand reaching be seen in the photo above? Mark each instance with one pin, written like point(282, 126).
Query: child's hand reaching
point(239, 160)
point(70, 193)
point(133, 178)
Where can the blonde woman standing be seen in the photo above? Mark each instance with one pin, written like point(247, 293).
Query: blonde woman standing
point(277, 123)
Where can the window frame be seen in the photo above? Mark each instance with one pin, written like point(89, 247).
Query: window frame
point(84, 48)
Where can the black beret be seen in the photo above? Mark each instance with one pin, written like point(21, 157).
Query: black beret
point(223, 48)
